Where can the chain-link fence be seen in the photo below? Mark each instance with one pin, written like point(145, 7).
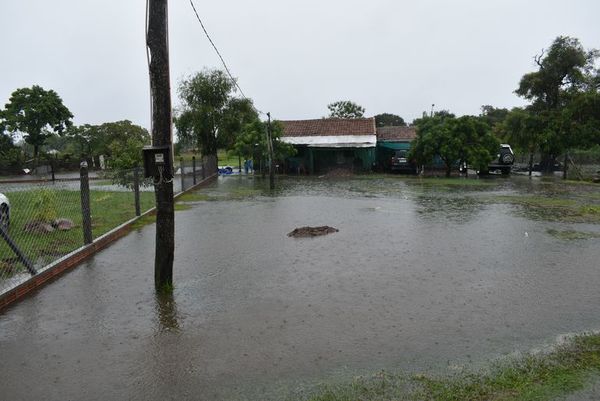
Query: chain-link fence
point(582, 164)
point(42, 221)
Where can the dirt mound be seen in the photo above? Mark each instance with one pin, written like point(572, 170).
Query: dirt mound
point(304, 232)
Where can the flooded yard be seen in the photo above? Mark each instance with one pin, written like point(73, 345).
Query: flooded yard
point(423, 275)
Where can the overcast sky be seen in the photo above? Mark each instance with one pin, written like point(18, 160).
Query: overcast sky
point(291, 57)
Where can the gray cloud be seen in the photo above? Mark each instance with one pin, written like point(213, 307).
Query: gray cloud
point(291, 57)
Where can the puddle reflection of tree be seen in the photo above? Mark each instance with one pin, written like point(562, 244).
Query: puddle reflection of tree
point(166, 309)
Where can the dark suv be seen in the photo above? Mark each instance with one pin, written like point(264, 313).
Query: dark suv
point(401, 162)
point(503, 161)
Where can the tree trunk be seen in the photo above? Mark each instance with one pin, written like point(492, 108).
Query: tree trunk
point(565, 166)
point(448, 170)
point(530, 163)
point(161, 135)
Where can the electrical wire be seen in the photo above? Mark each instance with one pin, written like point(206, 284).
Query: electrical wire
point(221, 57)
point(216, 50)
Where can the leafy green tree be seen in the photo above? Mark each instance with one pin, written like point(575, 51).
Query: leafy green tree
point(11, 156)
point(389, 120)
point(493, 116)
point(564, 73)
point(210, 116)
point(236, 115)
point(345, 109)
point(464, 139)
point(112, 139)
point(581, 118)
point(252, 143)
point(525, 130)
point(36, 113)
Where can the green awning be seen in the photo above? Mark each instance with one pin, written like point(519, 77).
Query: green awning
point(394, 145)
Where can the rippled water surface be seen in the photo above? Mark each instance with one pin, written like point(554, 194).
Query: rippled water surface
point(422, 275)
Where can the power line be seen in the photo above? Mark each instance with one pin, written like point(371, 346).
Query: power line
point(217, 51)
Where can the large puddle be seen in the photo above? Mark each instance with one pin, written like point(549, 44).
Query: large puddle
point(420, 276)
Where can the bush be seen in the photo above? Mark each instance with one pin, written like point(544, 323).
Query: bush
point(45, 205)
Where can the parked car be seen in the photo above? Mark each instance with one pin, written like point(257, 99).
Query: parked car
point(4, 211)
point(401, 162)
point(503, 161)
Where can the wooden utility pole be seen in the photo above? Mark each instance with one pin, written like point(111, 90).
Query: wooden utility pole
point(270, 146)
point(162, 135)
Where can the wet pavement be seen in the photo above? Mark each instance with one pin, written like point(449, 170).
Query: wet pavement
point(419, 277)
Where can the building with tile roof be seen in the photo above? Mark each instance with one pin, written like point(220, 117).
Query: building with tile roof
point(331, 143)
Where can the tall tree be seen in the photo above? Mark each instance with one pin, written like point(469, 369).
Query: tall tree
point(36, 113)
point(564, 72)
point(210, 116)
point(345, 109)
point(389, 120)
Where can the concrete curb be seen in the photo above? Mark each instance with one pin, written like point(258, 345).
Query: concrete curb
point(67, 262)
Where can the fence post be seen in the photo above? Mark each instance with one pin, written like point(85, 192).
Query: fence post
point(203, 169)
point(182, 174)
point(52, 169)
point(194, 168)
point(85, 202)
point(136, 190)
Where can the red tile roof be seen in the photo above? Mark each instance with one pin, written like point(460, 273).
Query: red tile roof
point(396, 133)
point(329, 126)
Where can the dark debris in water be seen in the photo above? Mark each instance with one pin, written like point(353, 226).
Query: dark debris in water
point(304, 232)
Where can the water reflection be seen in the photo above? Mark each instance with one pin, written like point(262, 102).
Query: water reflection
point(166, 310)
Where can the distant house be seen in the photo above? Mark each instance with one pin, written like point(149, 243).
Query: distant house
point(390, 140)
point(331, 143)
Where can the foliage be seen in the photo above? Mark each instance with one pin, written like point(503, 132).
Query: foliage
point(463, 139)
point(252, 143)
point(45, 205)
point(493, 116)
point(564, 95)
point(10, 155)
point(36, 113)
point(210, 116)
point(120, 141)
point(345, 109)
point(525, 130)
point(565, 70)
point(237, 113)
point(389, 120)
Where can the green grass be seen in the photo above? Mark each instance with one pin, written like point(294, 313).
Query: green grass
point(108, 209)
point(565, 369)
point(571, 234)
point(554, 207)
point(225, 159)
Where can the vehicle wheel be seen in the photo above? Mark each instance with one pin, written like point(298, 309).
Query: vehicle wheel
point(4, 216)
point(505, 171)
point(507, 158)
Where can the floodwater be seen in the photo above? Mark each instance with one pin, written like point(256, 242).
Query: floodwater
point(419, 277)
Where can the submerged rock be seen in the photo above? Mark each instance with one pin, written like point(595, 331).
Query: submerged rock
point(303, 232)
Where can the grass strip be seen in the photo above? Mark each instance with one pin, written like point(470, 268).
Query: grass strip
point(568, 367)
